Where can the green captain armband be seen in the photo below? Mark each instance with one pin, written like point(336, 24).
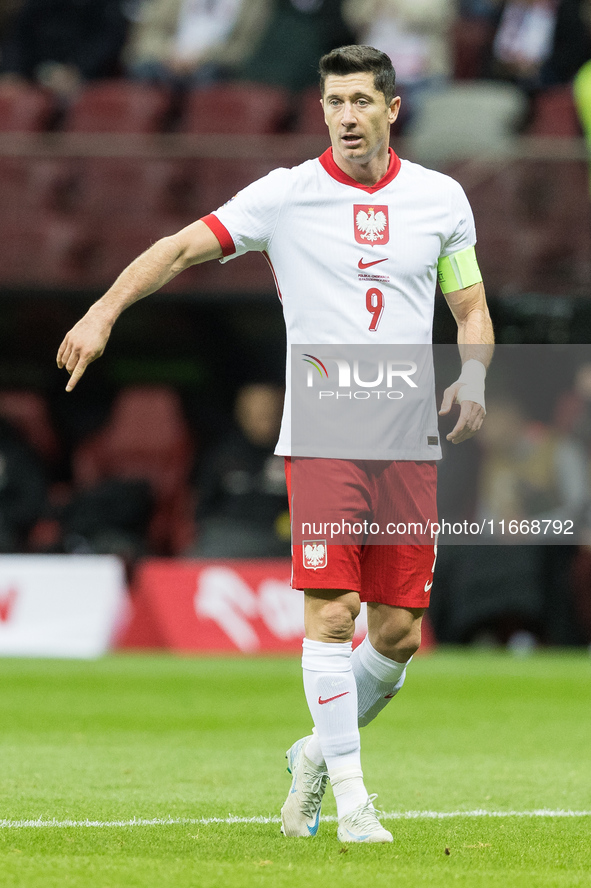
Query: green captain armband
point(458, 271)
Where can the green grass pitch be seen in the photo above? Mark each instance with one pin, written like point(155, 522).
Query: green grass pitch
point(171, 739)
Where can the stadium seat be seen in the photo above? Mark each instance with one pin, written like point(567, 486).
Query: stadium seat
point(115, 187)
point(146, 437)
point(32, 185)
point(471, 41)
point(119, 106)
point(25, 109)
point(466, 119)
point(105, 188)
point(238, 107)
point(310, 120)
point(48, 250)
point(554, 113)
point(221, 179)
point(29, 413)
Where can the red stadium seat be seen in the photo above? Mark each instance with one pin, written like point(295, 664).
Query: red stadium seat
point(221, 179)
point(28, 186)
point(24, 109)
point(238, 107)
point(119, 241)
point(29, 413)
point(554, 113)
point(146, 437)
point(48, 250)
point(471, 40)
point(119, 106)
point(108, 188)
point(310, 115)
point(119, 187)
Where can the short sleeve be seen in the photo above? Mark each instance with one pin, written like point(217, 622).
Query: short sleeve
point(463, 230)
point(247, 221)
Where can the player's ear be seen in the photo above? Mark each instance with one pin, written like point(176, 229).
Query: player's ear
point(394, 109)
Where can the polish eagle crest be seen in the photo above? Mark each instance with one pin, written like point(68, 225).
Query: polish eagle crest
point(371, 224)
point(315, 554)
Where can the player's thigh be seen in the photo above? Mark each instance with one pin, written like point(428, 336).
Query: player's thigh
point(330, 614)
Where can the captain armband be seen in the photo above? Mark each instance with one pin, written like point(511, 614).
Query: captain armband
point(458, 271)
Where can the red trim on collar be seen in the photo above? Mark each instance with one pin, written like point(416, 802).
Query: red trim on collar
point(328, 162)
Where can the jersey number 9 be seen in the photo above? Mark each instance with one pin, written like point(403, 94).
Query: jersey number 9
point(374, 302)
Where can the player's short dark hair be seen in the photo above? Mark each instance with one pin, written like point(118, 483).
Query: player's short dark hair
point(360, 59)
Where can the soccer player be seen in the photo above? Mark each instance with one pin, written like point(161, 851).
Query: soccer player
point(316, 224)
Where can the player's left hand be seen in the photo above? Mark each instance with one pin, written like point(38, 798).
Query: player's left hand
point(471, 415)
point(84, 343)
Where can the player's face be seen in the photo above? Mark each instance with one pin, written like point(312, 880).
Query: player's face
point(358, 117)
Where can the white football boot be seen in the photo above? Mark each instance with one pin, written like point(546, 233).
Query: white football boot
point(300, 814)
point(362, 825)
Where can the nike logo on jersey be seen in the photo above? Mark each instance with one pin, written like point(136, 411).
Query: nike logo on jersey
point(328, 700)
point(361, 264)
point(389, 696)
point(428, 585)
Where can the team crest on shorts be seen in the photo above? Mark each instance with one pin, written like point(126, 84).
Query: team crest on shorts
point(315, 554)
point(371, 224)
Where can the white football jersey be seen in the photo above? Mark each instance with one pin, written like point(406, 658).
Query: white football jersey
point(330, 241)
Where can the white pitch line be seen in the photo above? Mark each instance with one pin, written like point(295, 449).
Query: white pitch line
point(231, 819)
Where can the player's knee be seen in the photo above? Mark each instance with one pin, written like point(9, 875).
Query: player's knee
point(338, 621)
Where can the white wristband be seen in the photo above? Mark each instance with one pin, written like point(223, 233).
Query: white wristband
point(472, 381)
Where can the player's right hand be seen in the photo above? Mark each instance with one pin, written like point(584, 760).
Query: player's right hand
point(84, 343)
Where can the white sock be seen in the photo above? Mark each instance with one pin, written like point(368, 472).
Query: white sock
point(313, 750)
point(378, 680)
point(331, 693)
point(373, 693)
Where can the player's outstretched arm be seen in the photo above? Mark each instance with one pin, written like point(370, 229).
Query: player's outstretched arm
point(86, 341)
point(476, 344)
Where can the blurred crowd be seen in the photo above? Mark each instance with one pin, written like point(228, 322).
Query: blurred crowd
point(61, 45)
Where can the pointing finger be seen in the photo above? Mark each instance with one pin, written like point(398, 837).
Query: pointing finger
point(76, 375)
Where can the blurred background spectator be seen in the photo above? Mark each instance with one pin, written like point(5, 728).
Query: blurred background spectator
point(293, 35)
point(516, 469)
point(242, 508)
point(23, 489)
point(416, 34)
point(190, 42)
point(571, 42)
point(528, 470)
point(523, 40)
point(62, 43)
